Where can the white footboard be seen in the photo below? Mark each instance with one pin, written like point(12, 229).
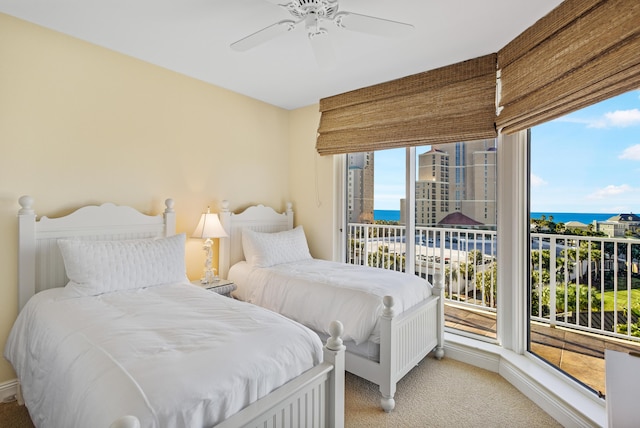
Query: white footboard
point(313, 399)
point(413, 336)
point(405, 340)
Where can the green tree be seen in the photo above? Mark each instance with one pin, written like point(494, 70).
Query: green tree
point(487, 283)
point(450, 275)
point(385, 259)
point(587, 251)
point(634, 326)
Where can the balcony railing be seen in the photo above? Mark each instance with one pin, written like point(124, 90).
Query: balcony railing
point(578, 282)
point(586, 283)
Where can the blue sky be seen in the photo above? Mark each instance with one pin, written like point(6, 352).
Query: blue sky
point(389, 180)
point(587, 161)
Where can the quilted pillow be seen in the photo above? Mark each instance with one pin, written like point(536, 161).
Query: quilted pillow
point(98, 267)
point(269, 249)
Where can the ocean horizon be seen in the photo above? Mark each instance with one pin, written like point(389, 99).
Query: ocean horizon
point(386, 215)
point(558, 217)
point(585, 218)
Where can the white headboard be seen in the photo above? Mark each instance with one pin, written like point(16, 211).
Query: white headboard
point(258, 218)
point(40, 264)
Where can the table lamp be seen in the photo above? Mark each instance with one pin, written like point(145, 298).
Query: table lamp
point(209, 227)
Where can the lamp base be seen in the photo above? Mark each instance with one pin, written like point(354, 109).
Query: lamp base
point(209, 277)
point(209, 271)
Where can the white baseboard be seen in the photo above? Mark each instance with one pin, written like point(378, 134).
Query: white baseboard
point(566, 401)
point(470, 354)
point(8, 389)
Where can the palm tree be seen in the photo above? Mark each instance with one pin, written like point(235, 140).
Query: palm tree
point(449, 277)
point(588, 251)
point(487, 281)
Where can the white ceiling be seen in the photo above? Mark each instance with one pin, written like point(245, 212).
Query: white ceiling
point(192, 37)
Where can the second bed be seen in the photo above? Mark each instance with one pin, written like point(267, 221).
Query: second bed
point(392, 320)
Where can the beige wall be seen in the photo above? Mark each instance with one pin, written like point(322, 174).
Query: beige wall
point(80, 124)
point(311, 184)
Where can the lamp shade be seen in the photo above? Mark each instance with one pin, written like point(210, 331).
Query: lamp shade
point(209, 227)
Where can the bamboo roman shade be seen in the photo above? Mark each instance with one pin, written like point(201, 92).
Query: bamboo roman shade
point(582, 52)
point(449, 104)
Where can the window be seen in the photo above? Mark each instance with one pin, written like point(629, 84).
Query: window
point(584, 280)
point(455, 223)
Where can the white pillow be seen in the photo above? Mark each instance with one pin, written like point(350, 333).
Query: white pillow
point(269, 249)
point(97, 267)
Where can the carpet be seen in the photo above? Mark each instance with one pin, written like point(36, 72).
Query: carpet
point(445, 393)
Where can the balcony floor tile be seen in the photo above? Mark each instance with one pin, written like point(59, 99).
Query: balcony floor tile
point(579, 354)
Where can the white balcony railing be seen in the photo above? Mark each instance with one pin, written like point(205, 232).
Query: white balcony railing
point(579, 282)
point(586, 283)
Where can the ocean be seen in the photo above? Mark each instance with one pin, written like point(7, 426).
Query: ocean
point(586, 218)
point(386, 215)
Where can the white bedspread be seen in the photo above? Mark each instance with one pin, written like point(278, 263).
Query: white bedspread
point(314, 292)
point(174, 356)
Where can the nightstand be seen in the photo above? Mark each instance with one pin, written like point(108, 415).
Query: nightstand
point(223, 286)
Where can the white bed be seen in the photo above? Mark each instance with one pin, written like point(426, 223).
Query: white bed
point(129, 341)
point(391, 320)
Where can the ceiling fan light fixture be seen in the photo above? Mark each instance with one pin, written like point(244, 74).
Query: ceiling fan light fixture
point(312, 24)
point(321, 8)
point(318, 32)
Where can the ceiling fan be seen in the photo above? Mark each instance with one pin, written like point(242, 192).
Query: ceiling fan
point(315, 14)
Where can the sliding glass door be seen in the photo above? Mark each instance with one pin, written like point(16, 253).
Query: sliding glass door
point(585, 237)
point(431, 210)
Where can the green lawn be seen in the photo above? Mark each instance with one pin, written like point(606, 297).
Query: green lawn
point(621, 299)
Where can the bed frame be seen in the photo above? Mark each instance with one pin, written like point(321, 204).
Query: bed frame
point(405, 338)
point(315, 398)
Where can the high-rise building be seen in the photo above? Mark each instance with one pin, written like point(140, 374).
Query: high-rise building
point(360, 187)
point(470, 181)
point(432, 187)
point(456, 177)
point(481, 205)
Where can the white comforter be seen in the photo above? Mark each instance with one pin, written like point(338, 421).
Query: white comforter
point(174, 356)
point(314, 292)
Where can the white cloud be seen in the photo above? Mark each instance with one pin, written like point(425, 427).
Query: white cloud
point(631, 153)
point(571, 119)
point(623, 118)
point(595, 123)
point(537, 181)
point(610, 191)
point(618, 209)
point(612, 119)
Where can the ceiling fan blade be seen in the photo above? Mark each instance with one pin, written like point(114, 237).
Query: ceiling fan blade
point(372, 25)
point(322, 49)
point(263, 35)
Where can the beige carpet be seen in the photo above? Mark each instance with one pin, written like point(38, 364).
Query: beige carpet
point(443, 393)
point(14, 416)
